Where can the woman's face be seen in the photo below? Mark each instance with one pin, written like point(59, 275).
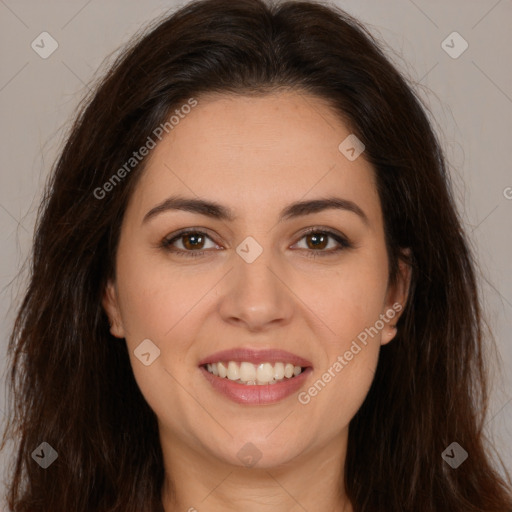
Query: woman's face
point(254, 280)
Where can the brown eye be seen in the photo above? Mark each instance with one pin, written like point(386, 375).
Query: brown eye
point(324, 242)
point(193, 241)
point(187, 243)
point(317, 240)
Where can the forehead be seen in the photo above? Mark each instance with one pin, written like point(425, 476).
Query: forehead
point(258, 151)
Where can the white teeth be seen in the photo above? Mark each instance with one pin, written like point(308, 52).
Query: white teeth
point(233, 371)
point(223, 371)
point(264, 373)
point(279, 371)
point(250, 374)
point(247, 372)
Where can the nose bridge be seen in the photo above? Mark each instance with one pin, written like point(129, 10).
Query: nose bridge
point(255, 294)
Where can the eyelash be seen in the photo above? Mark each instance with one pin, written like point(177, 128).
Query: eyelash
point(166, 243)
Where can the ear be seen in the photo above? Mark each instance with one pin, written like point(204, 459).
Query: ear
point(396, 298)
point(111, 306)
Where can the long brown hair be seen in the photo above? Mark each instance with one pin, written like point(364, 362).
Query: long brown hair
point(71, 381)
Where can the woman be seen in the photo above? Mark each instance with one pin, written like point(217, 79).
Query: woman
point(250, 285)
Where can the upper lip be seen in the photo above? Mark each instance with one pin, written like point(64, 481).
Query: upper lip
point(255, 356)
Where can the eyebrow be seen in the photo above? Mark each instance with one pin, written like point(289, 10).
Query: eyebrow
point(217, 211)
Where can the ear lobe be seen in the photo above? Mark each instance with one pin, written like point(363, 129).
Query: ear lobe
point(111, 306)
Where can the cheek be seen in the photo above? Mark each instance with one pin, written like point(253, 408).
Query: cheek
point(156, 299)
point(163, 307)
point(351, 385)
point(347, 300)
point(340, 387)
point(350, 304)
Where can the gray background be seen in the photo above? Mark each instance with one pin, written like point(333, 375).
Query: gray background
point(470, 99)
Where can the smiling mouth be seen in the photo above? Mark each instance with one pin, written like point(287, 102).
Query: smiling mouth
point(254, 374)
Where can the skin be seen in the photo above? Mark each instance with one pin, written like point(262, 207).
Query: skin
point(255, 155)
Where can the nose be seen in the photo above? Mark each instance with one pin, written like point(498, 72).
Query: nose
point(255, 295)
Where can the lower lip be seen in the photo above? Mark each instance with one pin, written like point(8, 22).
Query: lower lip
point(256, 394)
